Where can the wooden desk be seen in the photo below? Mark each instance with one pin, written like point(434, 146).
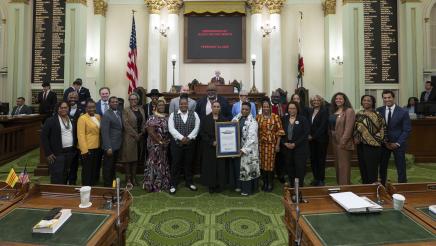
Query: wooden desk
point(10, 196)
point(422, 140)
point(418, 196)
point(50, 196)
point(18, 135)
point(318, 202)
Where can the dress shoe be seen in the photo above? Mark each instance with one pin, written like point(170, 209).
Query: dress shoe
point(172, 190)
point(192, 187)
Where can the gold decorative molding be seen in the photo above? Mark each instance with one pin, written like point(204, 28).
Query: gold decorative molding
point(352, 1)
point(154, 6)
point(77, 1)
point(274, 6)
point(20, 1)
point(3, 21)
point(100, 7)
point(256, 6)
point(329, 7)
point(426, 20)
point(410, 1)
point(174, 6)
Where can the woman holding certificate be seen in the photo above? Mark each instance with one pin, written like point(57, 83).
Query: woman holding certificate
point(295, 143)
point(249, 161)
point(270, 131)
point(213, 168)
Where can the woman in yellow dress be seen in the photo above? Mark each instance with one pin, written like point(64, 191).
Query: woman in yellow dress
point(270, 131)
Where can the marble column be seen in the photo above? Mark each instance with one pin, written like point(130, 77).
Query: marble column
point(275, 46)
point(353, 50)
point(19, 51)
point(154, 58)
point(173, 49)
point(331, 49)
point(256, 45)
point(75, 41)
point(411, 48)
point(100, 8)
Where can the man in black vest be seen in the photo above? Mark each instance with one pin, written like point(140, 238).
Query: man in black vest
point(183, 126)
point(74, 113)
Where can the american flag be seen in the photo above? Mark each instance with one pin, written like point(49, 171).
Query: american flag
point(24, 176)
point(132, 70)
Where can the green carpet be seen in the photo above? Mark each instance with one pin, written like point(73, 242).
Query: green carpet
point(199, 218)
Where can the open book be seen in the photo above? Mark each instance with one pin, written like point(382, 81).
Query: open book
point(352, 203)
point(52, 225)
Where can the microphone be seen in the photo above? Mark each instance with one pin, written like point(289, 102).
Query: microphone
point(118, 211)
point(297, 240)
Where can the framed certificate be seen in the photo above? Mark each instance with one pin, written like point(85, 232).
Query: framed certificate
point(228, 139)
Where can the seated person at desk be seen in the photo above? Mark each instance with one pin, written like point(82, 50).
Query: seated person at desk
point(4, 108)
point(411, 105)
point(429, 95)
point(243, 97)
point(21, 107)
point(217, 79)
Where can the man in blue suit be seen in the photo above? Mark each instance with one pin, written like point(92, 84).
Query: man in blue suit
point(398, 130)
point(243, 97)
point(103, 104)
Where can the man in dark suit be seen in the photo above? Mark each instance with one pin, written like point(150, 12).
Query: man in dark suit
point(21, 107)
point(103, 104)
point(429, 95)
point(47, 100)
point(83, 92)
point(398, 130)
point(112, 136)
point(204, 105)
point(217, 79)
point(74, 113)
point(57, 138)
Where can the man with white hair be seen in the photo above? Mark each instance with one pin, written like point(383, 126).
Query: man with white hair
point(217, 79)
point(174, 104)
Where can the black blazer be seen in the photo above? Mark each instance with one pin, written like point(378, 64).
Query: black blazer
point(47, 106)
point(300, 136)
point(207, 129)
point(431, 97)
point(24, 110)
point(84, 95)
point(319, 125)
point(51, 138)
point(201, 107)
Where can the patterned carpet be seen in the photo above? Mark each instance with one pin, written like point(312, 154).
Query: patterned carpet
point(200, 218)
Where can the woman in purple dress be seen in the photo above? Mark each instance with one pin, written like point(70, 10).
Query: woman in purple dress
point(156, 173)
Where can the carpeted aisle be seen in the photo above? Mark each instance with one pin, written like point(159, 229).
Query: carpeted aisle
point(200, 218)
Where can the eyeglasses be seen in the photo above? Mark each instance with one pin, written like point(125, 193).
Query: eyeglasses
point(133, 99)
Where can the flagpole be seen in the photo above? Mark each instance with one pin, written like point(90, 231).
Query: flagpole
point(300, 50)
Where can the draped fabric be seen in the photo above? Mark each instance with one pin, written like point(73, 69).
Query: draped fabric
point(369, 128)
point(214, 7)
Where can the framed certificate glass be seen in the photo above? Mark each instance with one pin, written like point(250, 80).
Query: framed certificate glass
point(228, 139)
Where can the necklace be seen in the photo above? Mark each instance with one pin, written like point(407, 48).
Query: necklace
point(66, 123)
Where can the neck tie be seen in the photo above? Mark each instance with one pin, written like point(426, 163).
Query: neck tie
point(389, 116)
point(106, 107)
point(18, 110)
point(45, 96)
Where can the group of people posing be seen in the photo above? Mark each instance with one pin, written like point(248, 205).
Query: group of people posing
point(276, 139)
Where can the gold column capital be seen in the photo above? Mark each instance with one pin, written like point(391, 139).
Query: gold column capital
point(174, 6)
point(410, 1)
point(20, 1)
point(154, 6)
point(76, 1)
point(274, 6)
point(100, 7)
point(329, 7)
point(256, 6)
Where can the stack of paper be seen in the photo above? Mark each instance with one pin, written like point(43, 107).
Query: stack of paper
point(51, 226)
point(352, 203)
